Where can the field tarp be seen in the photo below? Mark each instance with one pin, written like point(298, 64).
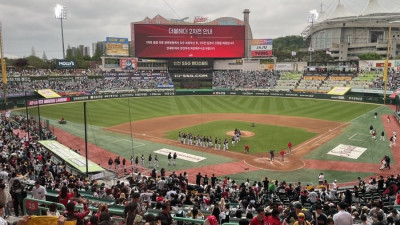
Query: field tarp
point(72, 158)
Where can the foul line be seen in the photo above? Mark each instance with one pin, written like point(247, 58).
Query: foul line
point(319, 137)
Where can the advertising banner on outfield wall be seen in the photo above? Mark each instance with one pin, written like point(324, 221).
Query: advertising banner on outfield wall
point(48, 101)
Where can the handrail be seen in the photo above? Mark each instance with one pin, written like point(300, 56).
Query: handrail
point(59, 205)
point(190, 220)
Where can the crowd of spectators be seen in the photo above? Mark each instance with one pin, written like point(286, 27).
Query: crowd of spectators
point(241, 79)
point(25, 81)
point(26, 170)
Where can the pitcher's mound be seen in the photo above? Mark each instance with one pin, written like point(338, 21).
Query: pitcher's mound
point(243, 133)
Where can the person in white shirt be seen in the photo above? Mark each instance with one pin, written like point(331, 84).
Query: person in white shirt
point(2, 210)
point(39, 192)
point(321, 178)
point(342, 217)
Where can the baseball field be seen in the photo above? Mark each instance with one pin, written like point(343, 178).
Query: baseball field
point(331, 137)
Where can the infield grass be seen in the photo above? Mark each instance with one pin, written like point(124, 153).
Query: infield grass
point(266, 137)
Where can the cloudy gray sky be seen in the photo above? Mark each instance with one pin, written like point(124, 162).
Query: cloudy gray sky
point(31, 23)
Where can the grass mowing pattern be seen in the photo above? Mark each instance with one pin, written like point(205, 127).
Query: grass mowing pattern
point(111, 112)
point(357, 134)
point(266, 136)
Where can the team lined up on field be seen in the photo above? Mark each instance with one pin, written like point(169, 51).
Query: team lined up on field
point(208, 141)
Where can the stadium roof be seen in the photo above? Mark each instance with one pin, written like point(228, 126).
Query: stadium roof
point(340, 11)
point(373, 7)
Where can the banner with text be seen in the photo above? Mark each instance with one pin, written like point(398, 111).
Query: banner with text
point(117, 46)
point(261, 47)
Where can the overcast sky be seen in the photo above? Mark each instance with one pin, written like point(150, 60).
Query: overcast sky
point(31, 23)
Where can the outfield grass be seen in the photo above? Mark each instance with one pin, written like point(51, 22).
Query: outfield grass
point(266, 136)
point(105, 113)
point(357, 134)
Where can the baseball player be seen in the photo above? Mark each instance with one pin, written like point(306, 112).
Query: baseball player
point(371, 128)
point(382, 136)
point(215, 143)
point(282, 153)
point(142, 160)
point(174, 157)
point(179, 137)
point(272, 155)
point(149, 162)
point(155, 161)
point(289, 145)
point(374, 135)
point(169, 158)
point(233, 140)
point(225, 145)
point(219, 144)
point(388, 118)
point(137, 161)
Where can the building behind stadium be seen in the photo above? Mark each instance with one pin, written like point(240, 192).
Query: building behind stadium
point(346, 35)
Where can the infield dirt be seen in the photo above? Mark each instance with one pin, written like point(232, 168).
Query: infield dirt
point(155, 129)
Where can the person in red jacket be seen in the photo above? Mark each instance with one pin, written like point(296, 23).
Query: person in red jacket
point(71, 214)
point(282, 153)
point(64, 196)
point(260, 219)
point(273, 219)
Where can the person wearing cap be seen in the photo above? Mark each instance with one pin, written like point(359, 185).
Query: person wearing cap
point(260, 219)
point(294, 212)
point(319, 218)
point(342, 217)
point(301, 220)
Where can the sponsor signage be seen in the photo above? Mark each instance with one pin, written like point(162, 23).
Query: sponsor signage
point(261, 47)
point(128, 64)
point(283, 66)
point(116, 46)
point(189, 41)
point(200, 19)
point(75, 160)
point(182, 63)
point(383, 65)
point(203, 76)
point(48, 101)
point(267, 66)
point(65, 64)
point(348, 151)
point(181, 155)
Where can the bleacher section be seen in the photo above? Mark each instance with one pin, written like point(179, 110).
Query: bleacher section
point(287, 82)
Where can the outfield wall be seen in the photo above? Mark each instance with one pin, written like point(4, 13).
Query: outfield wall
point(354, 97)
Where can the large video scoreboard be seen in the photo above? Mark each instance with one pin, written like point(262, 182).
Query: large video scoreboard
point(189, 41)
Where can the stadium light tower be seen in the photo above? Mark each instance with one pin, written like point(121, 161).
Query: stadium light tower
point(312, 17)
point(61, 13)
